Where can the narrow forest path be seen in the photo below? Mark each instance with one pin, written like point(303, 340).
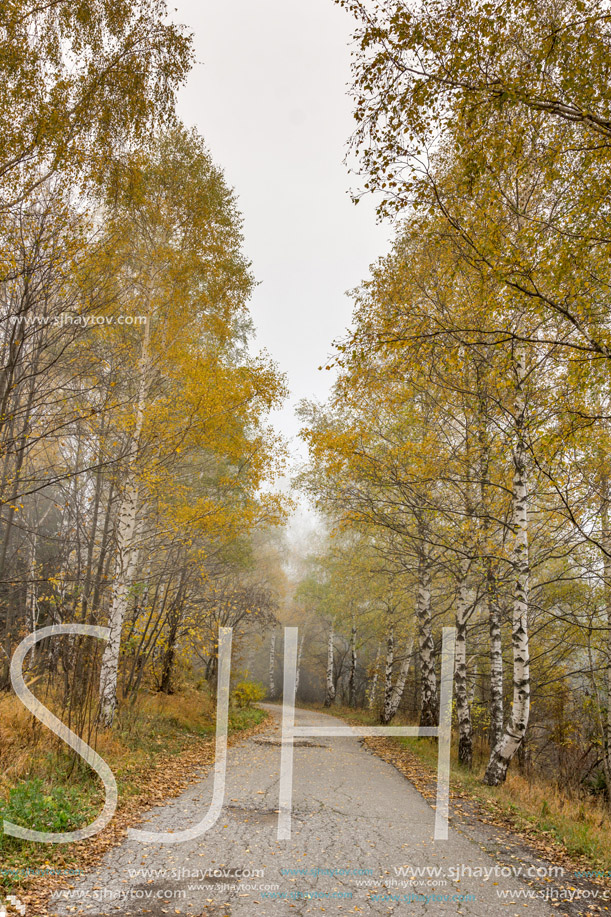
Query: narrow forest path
point(352, 812)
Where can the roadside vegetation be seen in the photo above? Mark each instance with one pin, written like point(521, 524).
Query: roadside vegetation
point(154, 745)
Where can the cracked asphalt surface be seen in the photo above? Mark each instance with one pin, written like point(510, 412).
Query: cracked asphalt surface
point(352, 812)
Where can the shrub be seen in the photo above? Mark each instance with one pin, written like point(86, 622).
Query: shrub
point(247, 693)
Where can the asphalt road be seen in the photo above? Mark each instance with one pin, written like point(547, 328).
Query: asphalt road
point(362, 842)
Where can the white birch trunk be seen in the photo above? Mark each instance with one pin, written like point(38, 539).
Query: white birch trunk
point(125, 566)
point(330, 691)
point(272, 666)
point(606, 546)
point(463, 709)
point(428, 678)
point(399, 688)
point(250, 658)
point(352, 679)
point(298, 670)
point(491, 609)
point(496, 671)
point(374, 682)
point(515, 732)
point(127, 553)
point(32, 594)
point(390, 660)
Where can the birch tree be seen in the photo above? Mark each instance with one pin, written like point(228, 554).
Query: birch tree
point(90, 80)
point(271, 670)
point(352, 675)
point(516, 729)
point(371, 691)
point(299, 657)
point(463, 711)
point(330, 672)
point(126, 557)
point(393, 693)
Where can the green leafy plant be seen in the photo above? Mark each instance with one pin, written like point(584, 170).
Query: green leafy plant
point(34, 805)
point(247, 693)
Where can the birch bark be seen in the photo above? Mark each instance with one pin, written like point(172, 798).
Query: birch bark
point(299, 655)
point(515, 731)
point(463, 709)
point(496, 665)
point(272, 666)
point(127, 550)
point(390, 659)
point(396, 693)
point(491, 610)
point(428, 678)
point(330, 691)
point(352, 678)
point(374, 682)
point(606, 545)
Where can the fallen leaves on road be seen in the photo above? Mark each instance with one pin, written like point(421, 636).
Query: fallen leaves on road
point(162, 781)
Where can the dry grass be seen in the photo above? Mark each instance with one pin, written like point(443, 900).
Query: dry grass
point(27, 748)
point(582, 824)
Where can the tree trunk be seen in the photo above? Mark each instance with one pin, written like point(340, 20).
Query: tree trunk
point(463, 709)
point(93, 530)
point(127, 554)
point(428, 680)
point(8, 523)
point(504, 751)
point(396, 693)
point(606, 545)
point(472, 680)
point(211, 668)
point(125, 565)
point(169, 655)
point(491, 611)
point(496, 668)
point(272, 666)
point(374, 682)
point(32, 592)
point(250, 658)
point(352, 678)
point(298, 669)
point(330, 690)
point(168, 667)
point(390, 659)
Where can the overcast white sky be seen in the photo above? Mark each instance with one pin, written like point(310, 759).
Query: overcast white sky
point(269, 96)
